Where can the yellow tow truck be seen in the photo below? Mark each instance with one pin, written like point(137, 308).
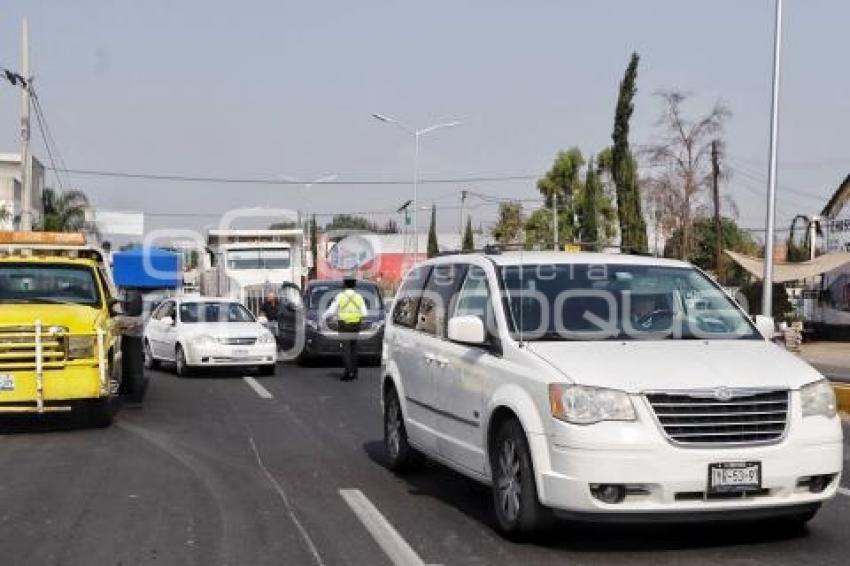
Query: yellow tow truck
point(67, 343)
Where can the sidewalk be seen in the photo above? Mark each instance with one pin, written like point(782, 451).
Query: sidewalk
point(831, 358)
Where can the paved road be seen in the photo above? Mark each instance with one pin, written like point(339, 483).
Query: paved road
point(214, 471)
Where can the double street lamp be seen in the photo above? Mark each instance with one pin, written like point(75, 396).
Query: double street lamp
point(416, 135)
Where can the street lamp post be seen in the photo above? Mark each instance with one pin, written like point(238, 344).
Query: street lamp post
point(767, 287)
point(416, 135)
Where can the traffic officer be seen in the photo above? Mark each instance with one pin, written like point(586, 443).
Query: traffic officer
point(349, 308)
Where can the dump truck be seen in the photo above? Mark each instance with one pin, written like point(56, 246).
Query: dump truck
point(244, 265)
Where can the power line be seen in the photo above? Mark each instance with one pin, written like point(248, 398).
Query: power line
point(278, 182)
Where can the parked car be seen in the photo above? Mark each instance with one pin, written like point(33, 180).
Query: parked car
point(600, 386)
point(195, 332)
point(304, 314)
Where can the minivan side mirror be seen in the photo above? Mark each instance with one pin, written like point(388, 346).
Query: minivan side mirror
point(167, 321)
point(766, 326)
point(468, 329)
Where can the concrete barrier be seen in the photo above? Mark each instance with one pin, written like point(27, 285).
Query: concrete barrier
point(842, 394)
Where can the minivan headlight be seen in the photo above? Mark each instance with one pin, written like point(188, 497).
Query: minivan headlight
point(579, 404)
point(80, 347)
point(818, 399)
point(203, 340)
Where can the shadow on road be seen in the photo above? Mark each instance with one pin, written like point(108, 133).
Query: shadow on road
point(473, 499)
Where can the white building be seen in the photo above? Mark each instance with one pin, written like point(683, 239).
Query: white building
point(11, 189)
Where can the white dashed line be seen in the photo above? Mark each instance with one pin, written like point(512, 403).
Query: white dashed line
point(844, 491)
point(391, 542)
point(258, 389)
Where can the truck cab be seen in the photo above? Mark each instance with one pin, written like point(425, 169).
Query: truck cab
point(246, 264)
point(67, 342)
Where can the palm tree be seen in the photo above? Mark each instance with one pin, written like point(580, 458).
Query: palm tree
point(64, 211)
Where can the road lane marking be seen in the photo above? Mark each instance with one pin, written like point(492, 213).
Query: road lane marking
point(290, 510)
point(844, 491)
point(258, 389)
point(391, 542)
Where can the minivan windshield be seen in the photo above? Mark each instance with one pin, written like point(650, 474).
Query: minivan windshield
point(28, 283)
point(623, 302)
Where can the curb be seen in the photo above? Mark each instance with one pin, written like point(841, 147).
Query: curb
point(842, 395)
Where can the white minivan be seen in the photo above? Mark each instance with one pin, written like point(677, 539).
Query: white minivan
point(603, 386)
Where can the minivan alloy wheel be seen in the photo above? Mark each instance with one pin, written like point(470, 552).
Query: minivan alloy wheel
point(509, 480)
point(393, 426)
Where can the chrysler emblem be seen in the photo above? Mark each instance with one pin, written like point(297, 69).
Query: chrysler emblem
point(723, 394)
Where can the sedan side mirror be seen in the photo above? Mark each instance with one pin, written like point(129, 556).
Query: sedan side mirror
point(468, 329)
point(766, 326)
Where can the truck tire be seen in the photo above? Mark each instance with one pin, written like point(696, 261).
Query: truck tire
point(134, 380)
point(99, 412)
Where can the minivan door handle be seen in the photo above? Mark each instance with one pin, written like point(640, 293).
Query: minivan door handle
point(429, 358)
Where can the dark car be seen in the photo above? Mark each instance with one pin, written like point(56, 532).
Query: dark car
point(320, 336)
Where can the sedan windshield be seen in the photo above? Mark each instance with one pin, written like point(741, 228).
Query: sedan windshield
point(28, 283)
point(322, 295)
point(624, 302)
point(214, 312)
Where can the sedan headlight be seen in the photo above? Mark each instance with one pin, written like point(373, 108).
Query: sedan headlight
point(578, 404)
point(80, 347)
point(818, 399)
point(203, 340)
point(265, 338)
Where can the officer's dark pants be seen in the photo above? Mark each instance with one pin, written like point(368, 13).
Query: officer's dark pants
point(349, 333)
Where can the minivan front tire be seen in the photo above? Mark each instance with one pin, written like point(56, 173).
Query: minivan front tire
point(515, 502)
point(401, 456)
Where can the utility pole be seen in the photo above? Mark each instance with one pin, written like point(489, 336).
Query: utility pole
point(463, 195)
point(26, 160)
point(769, 236)
point(718, 229)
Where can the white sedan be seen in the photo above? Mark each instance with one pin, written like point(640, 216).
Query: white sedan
point(195, 332)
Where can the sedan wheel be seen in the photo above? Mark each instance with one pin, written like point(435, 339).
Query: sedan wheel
point(150, 361)
point(181, 367)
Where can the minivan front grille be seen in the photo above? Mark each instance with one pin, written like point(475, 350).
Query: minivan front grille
point(721, 416)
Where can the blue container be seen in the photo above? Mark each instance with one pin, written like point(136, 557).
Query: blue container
point(147, 268)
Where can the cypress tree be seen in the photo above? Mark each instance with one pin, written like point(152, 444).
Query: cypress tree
point(468, 240)
point(624, 167)
point(589, 213)
point(433, 246)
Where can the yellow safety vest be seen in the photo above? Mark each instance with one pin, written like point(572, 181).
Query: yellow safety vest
point(350, 305)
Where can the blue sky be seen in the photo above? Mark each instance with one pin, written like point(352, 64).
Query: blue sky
point(261, 89)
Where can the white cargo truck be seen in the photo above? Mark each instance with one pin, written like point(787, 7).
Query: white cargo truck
point(246, 264)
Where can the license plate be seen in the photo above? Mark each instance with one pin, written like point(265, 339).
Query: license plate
point(726, 477)
point(7, 382)
point(240, 352)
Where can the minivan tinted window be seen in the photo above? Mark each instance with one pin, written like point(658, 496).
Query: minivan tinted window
point(443, 285)
point(407, 298)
